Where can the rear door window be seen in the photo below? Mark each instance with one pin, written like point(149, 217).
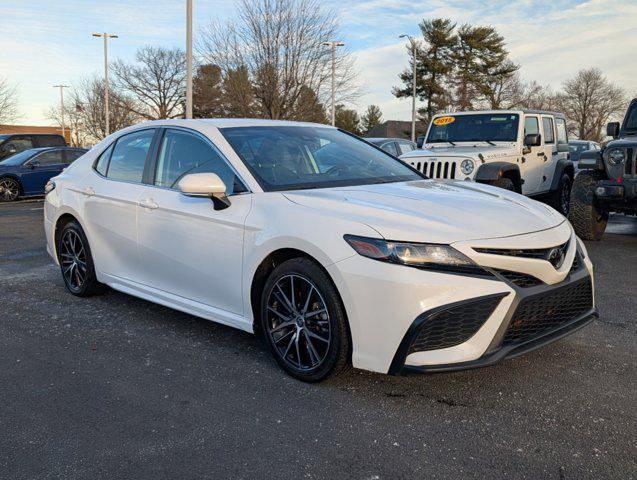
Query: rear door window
point(71, 155)
point(547, 125)
point(52, 157)
point(129, 156)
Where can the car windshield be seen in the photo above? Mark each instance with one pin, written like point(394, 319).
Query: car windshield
point(474, 127)
point(301, 157)
point(576, 149)
point(631, 119)
point(18, 158)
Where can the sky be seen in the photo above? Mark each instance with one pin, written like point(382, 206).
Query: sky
point(43, 43)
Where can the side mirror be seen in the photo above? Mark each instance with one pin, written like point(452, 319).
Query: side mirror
point(204, 185)
point(562, 147)
point(612, 129)
point(533, 140)
point(420, 141)
point(32, 164)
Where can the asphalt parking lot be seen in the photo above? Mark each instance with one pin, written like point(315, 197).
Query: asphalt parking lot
point(116, 387)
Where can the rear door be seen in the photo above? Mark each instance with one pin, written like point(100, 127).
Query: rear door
point(111, 193)
point(39, 169)
point(532, 161)
point(551, 154)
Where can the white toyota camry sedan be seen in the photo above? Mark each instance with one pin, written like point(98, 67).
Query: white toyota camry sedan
point(336, 252)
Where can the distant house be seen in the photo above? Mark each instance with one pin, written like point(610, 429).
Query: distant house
point(396, 129)
point(35, 129)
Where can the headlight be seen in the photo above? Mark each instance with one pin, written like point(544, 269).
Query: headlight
point(419, 255)
point(467, 166)
point(616, 156)
point(49, 187)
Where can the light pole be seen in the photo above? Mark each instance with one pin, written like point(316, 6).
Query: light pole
point(188, 58)
point(62, 87)
point(106, 36)
point(413, 93)
point(333, 45)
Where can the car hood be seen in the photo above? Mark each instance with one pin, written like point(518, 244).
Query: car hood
point(430, 211)
point(471, 151)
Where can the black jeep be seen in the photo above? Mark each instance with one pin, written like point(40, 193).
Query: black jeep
point(607, 181)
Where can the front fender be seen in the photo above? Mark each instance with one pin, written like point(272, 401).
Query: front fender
point(591, 160)
point(562, 166)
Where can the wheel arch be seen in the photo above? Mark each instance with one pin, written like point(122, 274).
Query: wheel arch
point(267, 266)
point(62, 219)
point(563, 166)
point(489, 172)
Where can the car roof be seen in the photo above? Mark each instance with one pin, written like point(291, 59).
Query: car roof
point(581, 141)
point(488, 112)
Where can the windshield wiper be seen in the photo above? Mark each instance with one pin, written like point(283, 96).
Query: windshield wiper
point(481, 140)
point(443, 141)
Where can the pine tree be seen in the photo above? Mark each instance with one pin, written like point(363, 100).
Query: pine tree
point(206, 92)
point(347, 119)
point(371, 118)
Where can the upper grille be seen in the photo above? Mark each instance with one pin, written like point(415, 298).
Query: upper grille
point(453, 326)
point(538, 253)
point(543, 313)
point(437, 169)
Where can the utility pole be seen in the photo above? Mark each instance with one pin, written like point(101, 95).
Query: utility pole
point(333, 45)
point(106, 36)
point(62, 87)
point(188, 58)
point(413, 93)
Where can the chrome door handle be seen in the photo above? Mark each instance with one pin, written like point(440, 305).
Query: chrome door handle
point(88, 191)
point(148, 203)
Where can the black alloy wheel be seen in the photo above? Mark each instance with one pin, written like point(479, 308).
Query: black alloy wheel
point(76, 262)
point(303, 321)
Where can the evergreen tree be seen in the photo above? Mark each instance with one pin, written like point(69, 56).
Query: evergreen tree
point(207, 93)
point(371, 118)
point(434, 65)
point(308, 108)
point(347, 119)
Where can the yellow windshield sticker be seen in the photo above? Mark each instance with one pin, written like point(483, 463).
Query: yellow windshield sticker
point(444, 120)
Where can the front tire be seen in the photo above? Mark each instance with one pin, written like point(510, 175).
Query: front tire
point(560, 199)
point(76, 262)
point(303, 321)
point(586, 215)
point(9, 189)
point(505, 183)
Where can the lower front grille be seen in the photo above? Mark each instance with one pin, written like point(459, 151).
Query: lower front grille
point(543, 313)
point(454, 325)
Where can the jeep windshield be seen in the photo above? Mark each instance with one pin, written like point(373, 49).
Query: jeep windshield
point(631, 119)
point(479, 127)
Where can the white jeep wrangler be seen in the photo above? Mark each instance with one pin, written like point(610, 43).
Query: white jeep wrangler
point(521, 150)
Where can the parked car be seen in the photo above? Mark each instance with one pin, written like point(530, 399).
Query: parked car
point(26, 173)
point(393, 146)
point(250, 223)
point(13, 143)
point(576, 147)
point(525, 151)
point(607, 181)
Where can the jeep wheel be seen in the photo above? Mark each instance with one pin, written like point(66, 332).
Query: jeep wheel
point(586, 215)
point(505, 183)
point(560, 199)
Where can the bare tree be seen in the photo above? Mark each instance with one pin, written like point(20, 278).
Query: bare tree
point(84, 112)
point(8, 101)
point(156, 81)
point(278, 43)
point(588, 101)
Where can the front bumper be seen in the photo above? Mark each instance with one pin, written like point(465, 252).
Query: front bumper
point(608, 191)
point(386, 305)
point(548, 322)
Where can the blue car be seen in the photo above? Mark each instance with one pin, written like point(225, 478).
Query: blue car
point(26, 173)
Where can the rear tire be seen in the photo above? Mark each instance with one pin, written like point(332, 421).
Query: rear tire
point(505, 183)
point(560, 199)
point(586, 214)
point(76, 262)
point(9, 189)
point(303, 321)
